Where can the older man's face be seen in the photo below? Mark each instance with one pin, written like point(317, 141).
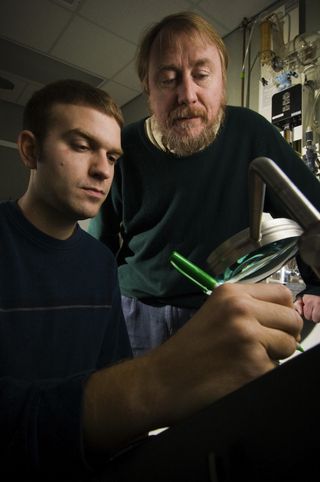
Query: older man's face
point(186, 92)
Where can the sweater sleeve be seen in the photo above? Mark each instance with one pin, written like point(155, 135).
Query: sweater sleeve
point(309, 277)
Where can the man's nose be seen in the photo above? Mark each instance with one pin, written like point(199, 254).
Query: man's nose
point(187, 91)
point(101, 166)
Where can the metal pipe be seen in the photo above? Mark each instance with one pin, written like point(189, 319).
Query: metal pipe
point(263, 171)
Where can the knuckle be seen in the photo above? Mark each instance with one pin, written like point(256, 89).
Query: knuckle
point(288, 347)
point(239, 306)
point(238, 315)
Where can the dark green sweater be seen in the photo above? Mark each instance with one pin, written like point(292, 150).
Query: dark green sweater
point(189, 204)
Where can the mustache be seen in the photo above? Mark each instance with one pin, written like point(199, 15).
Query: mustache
point(186, 112)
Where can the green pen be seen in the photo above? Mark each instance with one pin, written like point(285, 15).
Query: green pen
point(199, 277)
point(195, 274)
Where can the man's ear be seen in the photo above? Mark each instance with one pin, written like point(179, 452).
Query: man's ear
point(28, 148)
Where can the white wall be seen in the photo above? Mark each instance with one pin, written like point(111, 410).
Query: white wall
point(136, 109)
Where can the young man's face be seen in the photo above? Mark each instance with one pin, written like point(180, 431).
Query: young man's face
point(186, 91)
point(76, 162)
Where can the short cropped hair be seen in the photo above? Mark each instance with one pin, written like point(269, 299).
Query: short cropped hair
point(37, 112)
point(172, 25)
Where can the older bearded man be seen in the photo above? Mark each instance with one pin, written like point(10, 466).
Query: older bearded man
point(182, 181)
point(185, 82)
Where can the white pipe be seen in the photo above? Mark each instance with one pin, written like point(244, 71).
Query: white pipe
point(11, 145)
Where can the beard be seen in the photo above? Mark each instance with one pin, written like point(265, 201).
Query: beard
point(186, 143)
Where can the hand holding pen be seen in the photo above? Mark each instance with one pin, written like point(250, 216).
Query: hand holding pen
point(199, 277)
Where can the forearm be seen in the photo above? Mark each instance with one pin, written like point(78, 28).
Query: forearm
point(119, 405)
point(125, 401)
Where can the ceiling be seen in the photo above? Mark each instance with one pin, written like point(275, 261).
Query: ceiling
point(92, 40)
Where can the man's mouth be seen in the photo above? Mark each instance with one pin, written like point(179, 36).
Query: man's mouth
point(186, 116)
point(94, 191)
point(187, 120)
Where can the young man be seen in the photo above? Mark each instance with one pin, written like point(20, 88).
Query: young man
point(60, 313)
point(182, 183)
point(70, 394)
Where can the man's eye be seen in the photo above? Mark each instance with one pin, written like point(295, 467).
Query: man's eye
point(201, 75)
point(168, 82)
point(80, 147)
point(111, 158)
